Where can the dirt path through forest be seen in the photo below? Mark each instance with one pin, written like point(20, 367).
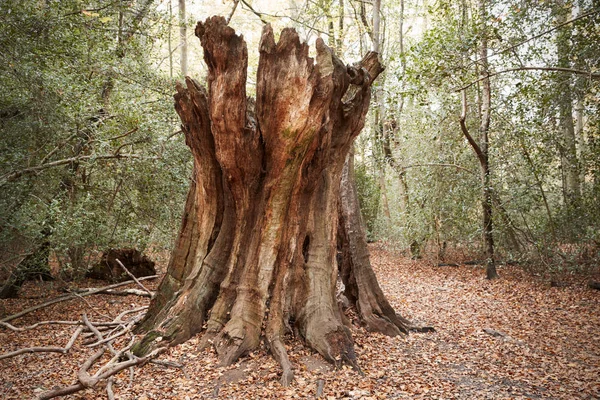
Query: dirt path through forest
point(541, 343)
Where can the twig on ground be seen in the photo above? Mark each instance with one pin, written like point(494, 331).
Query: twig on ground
point(109, 390)
point(99, 336)
point(50, 349)
point(26, 328)
point(106, 372)
point(126, 329)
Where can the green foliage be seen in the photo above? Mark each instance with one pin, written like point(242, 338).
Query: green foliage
point(432, 175)
point(79, 81)
point(369, 195)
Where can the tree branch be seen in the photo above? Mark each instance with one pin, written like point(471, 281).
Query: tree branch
point(11, 176)
point(465, 131)
point(235, 4)
point(71, 297)
point(592, 75)
point(259, 15)
point(588, 14)
point(404, 168)
point(133, 277)
point(50, 349)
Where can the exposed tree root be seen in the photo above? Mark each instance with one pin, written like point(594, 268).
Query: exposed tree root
point(280, 355)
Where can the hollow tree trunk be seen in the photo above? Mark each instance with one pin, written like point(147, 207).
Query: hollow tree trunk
point(256, 253)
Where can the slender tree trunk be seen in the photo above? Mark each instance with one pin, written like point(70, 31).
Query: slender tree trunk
point(340, 37)
point(183, 38)
point(376, 25)
point(568, 146)
point(257, 247)
point(484, 128)
point(169, 43)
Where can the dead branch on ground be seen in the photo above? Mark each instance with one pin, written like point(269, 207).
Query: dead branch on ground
point(133, 277)
point(49, 349)
point(71, 297)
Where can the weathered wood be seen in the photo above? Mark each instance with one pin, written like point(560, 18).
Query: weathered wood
point(258, 238)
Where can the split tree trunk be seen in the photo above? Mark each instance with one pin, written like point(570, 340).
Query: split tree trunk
point(256, 253)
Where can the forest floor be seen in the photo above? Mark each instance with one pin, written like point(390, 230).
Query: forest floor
point(542, 342)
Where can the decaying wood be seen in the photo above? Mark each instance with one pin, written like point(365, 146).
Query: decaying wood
point(256, 252)
point(128, 292)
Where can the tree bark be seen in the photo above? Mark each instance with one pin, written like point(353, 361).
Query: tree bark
point(484, 128)
point(256, 252)
point(183, 38)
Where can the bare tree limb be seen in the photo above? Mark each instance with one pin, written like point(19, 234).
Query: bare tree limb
point(93, 380)
point(125, 134)
point(133, 277)
point(71, 297)
point(109, 390)
point(127, 292)
point(459, 167)
point(26, 328)
point(11, 176)
point(235, 4)
point(126, 329)
point(51, 153)
point(83, 376)
point(507, 49)
point(50, 349)
point(592, 75)
point(259, 15)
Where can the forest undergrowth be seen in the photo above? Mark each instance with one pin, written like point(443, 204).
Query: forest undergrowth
point(513, 338)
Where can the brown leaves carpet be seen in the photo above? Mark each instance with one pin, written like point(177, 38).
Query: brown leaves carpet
point(514, 338)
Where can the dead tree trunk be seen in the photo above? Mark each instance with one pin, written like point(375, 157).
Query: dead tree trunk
point(256, 253)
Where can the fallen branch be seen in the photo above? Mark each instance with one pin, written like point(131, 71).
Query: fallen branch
point(113, 292)
point(26, 328)
point(100, 375)
point(494, 333)
point(126, 329)
point(128, 292)
point(133, 277)
point(71, 297)
point(50, 349)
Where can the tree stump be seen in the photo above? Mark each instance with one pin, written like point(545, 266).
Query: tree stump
point(256, 252)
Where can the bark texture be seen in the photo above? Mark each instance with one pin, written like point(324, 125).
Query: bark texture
point(256, 255)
